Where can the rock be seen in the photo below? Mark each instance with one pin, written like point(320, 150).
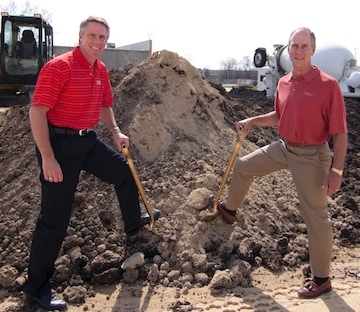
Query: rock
point(75, 294)
point(134, 261)
point(8, 275)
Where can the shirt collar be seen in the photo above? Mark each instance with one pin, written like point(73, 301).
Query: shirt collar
point(308, 77)
point(82, 60)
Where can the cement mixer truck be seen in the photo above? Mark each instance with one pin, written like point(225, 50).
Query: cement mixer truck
point(335, 60)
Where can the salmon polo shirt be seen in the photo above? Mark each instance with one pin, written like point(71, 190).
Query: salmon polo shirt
point(74, 90)
point(311, 107)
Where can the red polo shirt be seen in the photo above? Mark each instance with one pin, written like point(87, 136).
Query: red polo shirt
point(73, 90)
point(311, 107)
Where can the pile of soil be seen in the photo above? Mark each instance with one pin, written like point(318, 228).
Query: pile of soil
point(181, 131)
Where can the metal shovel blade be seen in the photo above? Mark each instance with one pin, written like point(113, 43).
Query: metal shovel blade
point(205, 215)
point(139, 185)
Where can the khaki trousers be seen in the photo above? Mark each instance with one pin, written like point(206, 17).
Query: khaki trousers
point(309, 167)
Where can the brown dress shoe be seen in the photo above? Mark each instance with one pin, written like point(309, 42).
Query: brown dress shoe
point(228, 218)
point(312, 290)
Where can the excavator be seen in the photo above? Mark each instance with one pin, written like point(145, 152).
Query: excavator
point(26, 45)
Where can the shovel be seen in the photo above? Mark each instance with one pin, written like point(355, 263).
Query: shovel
point(205, 215)
point(130, 162)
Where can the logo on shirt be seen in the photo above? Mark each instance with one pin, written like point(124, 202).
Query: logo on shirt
point(308, 94)
point(98, 82)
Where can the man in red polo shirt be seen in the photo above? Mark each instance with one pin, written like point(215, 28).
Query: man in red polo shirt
point(309, 111)
point(72, 94)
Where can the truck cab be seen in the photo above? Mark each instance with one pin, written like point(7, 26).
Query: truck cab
point(26, 44)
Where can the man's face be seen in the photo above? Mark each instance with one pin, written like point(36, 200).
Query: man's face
point(93, 39)
point(301, 49)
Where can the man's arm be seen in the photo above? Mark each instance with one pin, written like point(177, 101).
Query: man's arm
point(269, 119)
point(107, 116)
point(333, 180)
point(40, 132)
point(340, 141)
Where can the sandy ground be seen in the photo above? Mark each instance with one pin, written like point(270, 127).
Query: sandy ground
point(270, 292)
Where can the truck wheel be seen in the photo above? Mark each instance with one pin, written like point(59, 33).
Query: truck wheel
point(260, 57)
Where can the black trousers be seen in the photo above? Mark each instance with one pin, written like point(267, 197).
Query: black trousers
point(74, 154)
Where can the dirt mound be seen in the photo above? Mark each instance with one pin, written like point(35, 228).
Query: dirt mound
point(181, 131)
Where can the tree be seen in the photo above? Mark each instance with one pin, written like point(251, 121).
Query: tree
point(246, 63)
point(228, 66)
point(27, 8)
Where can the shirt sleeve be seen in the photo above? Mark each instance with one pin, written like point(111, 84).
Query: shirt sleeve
point(51, 81)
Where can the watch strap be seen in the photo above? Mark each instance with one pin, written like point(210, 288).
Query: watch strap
point(338, 171)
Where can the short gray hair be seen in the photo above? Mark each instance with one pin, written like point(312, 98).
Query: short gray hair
point(96, 19)
point(312, 35)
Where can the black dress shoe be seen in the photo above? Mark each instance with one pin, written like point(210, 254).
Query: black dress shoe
point(145, 218)
point(49, 302)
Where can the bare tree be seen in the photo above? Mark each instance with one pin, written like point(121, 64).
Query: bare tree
point(26, 9)
point(229, 64)
point(246, 63)
point(228, 67)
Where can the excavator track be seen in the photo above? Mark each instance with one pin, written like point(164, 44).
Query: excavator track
point(13, 100)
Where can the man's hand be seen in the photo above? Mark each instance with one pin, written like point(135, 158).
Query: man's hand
point(52, 170)
point(120, 139)
point(332, 182)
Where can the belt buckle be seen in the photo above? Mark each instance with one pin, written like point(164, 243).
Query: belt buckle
point(83, 132)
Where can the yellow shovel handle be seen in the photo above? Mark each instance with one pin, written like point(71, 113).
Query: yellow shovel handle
point(241, 135)
point(135, 175)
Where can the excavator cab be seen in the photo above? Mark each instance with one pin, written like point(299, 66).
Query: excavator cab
point(26, 45)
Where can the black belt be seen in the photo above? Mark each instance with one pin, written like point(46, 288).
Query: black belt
point(69, 131)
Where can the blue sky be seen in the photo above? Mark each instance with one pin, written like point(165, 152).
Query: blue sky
point(206, 32)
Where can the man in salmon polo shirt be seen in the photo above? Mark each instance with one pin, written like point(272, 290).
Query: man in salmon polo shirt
point(309, 111)
point(72, 94)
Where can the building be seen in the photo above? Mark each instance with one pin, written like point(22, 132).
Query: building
point(115, 58)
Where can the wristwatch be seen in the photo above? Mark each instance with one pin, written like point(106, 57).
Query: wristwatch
point(338, 171)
